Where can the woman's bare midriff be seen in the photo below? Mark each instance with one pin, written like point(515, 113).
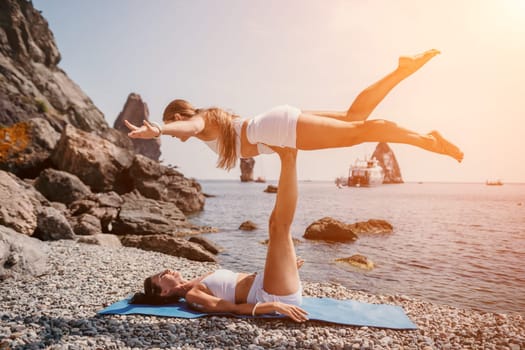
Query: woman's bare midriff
point(247, 149)
point(244, 283)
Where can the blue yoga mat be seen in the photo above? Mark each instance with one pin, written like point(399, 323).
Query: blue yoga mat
point(345, 312)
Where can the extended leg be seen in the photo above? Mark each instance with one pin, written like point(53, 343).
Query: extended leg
point(318, 133)
point(369, 98)
point(280, 271)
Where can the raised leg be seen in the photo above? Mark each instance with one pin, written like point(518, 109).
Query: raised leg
point(369, 98)
point(318, 133)
point(280, 272)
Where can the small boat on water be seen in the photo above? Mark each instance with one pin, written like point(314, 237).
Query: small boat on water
point(365, 173)
point(496, 182)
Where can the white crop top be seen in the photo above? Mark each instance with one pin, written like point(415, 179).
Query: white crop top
point(222, 284)
point(237, 124)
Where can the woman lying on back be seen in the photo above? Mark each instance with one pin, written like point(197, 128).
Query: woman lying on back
point(276, 289)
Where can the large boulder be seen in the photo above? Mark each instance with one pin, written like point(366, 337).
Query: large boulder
point(387, 160)
point(31, 84)
point(103, 239)
point(144, 216)
point(330, 229)
point(52, 225)
point(21, 255)
point(136, 111)
point(170, 245)
point(95, 212)
point(247, 165)
point(97, 162)
point(25, 147)
point(206, 244)
point(17, 205)
point(87, 225)
point(156, 181)
point(60, 186)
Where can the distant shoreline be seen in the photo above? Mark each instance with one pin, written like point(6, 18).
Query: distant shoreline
point(332, 181)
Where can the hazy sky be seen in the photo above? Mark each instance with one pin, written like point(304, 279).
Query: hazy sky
point(248, 56)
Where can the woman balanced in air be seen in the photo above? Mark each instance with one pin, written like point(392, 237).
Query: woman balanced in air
point(232, 137)
point(276, 289)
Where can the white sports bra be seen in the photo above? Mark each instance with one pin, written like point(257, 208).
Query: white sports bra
point(222, 284)
point(237, 124)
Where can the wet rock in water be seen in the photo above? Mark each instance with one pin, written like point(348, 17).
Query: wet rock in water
point(102, 239)
point(136, 111)
point(247, 165)
point(271, 189)
point(330, 229)
point(17, 208)
point(25, 147)
point(359, 261)
point(52, 225)
point(248, 226)
point(372, 226)
point(60, 186)
point(21, 255)
point(206, 244)
point(168, 244)
point(97, 162)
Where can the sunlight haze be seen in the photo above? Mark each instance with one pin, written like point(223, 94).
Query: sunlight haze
point(248, 56)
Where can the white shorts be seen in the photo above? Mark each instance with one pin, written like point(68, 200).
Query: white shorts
point(277, 127)
point(257, 294)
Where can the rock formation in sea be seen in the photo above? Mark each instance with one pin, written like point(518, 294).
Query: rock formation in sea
point(64, 173)
point(387, 160)
point(330, 229)
point(136, 111)
point(247, 165)
point(359, 261)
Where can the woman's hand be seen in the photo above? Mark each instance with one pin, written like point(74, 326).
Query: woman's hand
point(284, 151)
point(294, 312)
point(146, 131)
point(299, 262)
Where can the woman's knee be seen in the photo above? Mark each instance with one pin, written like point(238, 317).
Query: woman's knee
point(277, 228)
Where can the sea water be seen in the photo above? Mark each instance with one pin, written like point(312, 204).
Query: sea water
point(455, 244)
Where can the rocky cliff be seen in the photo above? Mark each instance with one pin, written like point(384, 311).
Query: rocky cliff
point(64, 173)
point(32, 84)
point(387, 160)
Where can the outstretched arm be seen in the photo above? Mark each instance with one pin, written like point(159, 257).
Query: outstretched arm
point(181, 129)
point(205, 302)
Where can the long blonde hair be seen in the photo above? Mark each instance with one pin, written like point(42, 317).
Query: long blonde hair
point(212, 116)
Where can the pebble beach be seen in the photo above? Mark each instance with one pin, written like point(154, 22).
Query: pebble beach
point(58, 310)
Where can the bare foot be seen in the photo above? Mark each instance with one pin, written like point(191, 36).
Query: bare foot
point(410, 64)
point(441, 145)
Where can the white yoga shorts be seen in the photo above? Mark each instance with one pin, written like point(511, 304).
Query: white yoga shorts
point(257, 294)
point(276, 127)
